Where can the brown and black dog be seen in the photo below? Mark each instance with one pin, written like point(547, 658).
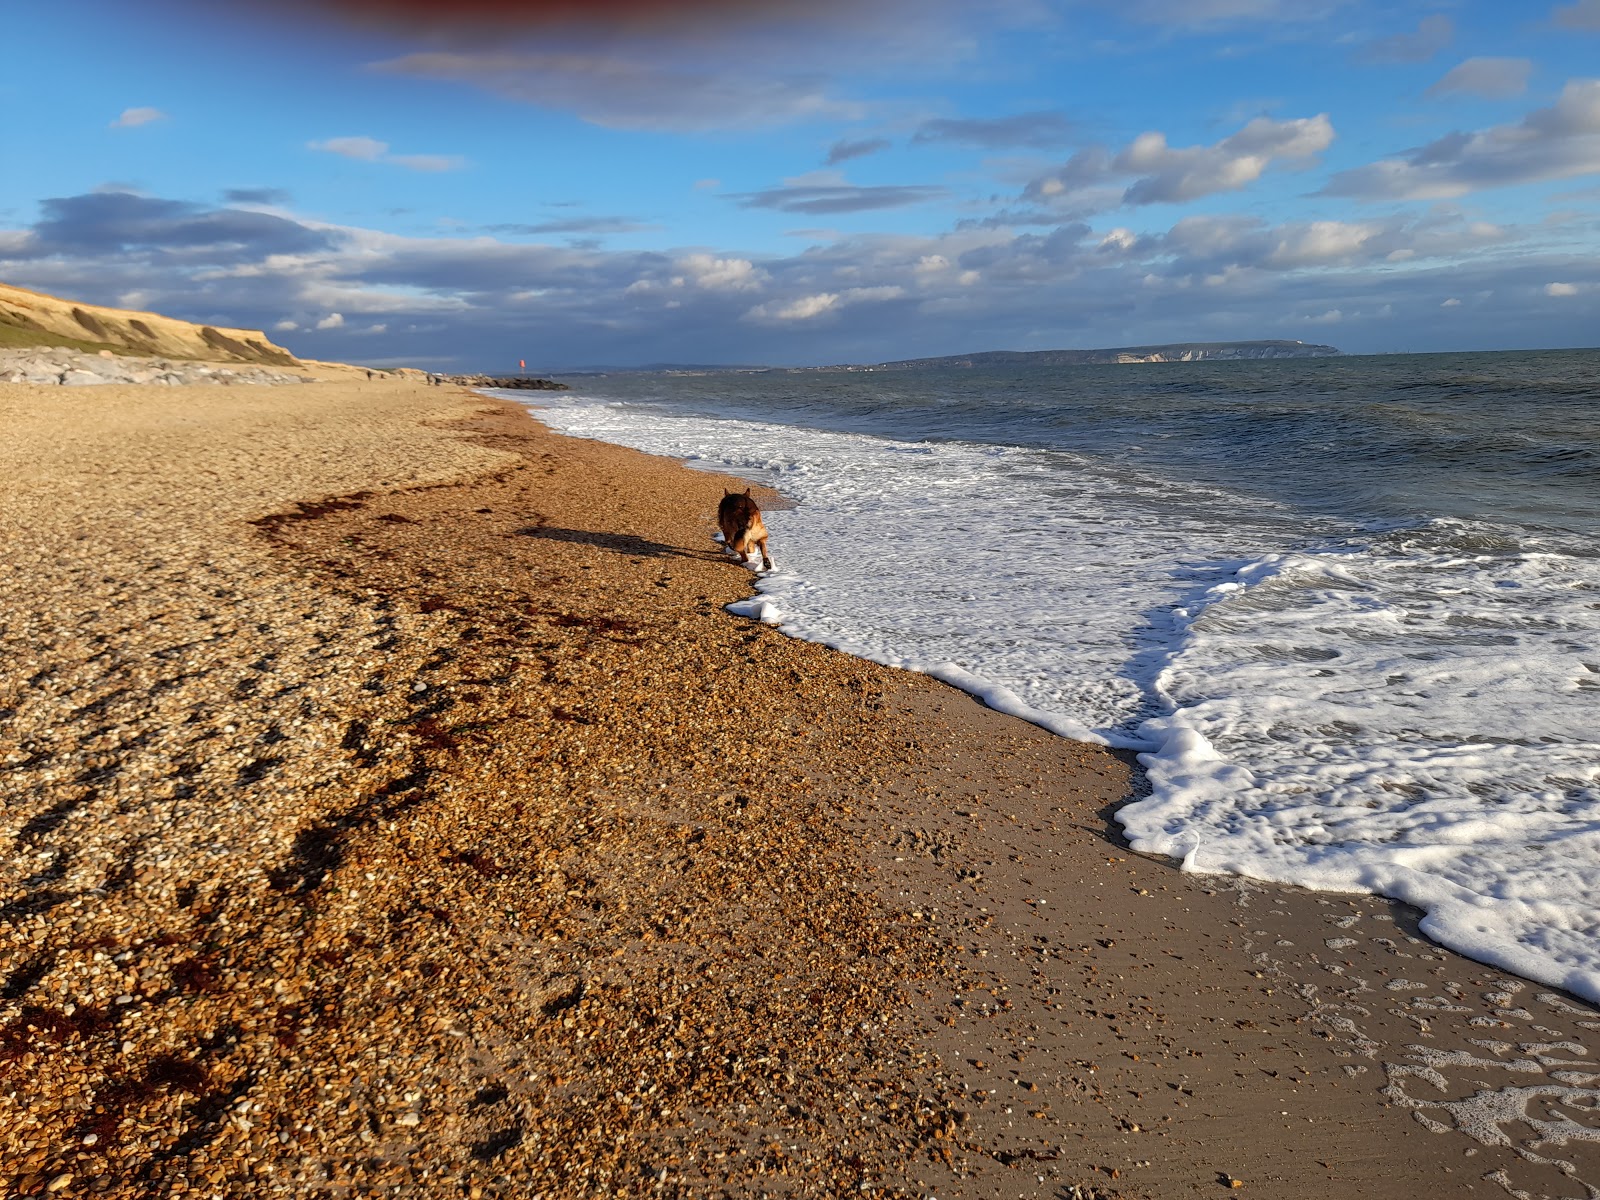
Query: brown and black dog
point(742, 527)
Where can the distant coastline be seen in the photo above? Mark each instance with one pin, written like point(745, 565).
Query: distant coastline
point(1167, 352)
point(1111, 355)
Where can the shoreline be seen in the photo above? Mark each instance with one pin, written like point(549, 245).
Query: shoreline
point(555, 876)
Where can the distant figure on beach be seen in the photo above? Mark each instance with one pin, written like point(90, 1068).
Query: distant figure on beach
point(742, 527)
point(369, 376)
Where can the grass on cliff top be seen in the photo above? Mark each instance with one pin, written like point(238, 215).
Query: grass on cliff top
point(13, 337)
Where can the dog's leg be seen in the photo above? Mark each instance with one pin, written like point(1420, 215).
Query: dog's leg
point(766, 559)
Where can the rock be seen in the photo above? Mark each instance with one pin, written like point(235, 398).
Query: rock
point(75, 369)
point(518, 383)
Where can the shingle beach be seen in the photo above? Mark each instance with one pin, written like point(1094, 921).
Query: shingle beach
point(391, 808)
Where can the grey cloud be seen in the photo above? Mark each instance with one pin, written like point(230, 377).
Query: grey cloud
point(1433, 34)
point(112, 221)
point(263, 195)
point(821, 199)
point(1202, 14)
point(479, 266)
point(843, 151)
point(1032, 256)
point(1202, 246)
point(1585, 15)
point(1039, 130)
point(476, 302)
point(613, 91)
point(1490, 78)
point(1441, 150)
point(1010, 218)
point(595, 225)
point(1557, 142)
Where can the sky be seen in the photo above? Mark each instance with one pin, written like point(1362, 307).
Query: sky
point(593, 183)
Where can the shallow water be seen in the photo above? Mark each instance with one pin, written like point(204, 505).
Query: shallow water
point(1349, 609)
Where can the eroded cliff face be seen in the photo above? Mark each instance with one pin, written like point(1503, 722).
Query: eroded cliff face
point(33, 318)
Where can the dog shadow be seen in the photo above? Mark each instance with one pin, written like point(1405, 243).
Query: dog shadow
point(621, 543)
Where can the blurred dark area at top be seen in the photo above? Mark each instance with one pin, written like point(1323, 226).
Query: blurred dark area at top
point(486, 18)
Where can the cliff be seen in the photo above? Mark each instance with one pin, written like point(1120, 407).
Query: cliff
point(35, 319)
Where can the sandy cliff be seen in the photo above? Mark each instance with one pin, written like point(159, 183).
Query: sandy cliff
point(33, 318)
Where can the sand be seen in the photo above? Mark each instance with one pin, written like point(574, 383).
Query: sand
point(394, 810)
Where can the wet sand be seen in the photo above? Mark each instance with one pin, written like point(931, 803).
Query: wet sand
point(392, 809)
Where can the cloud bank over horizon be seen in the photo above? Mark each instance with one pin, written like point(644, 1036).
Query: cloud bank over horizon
point(802, 184)
point(464, 301)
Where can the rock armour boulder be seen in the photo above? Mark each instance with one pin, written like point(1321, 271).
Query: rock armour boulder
point(73, 368)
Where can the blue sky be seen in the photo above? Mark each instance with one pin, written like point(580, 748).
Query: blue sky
point(812, 183)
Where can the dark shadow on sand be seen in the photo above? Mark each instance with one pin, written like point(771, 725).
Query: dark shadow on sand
point(622, 543)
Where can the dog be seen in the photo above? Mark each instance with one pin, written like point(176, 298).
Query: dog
point(742, 527)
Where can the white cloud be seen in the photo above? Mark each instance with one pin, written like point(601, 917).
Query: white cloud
point(428, 162)
point(331, 321)
point(807, 308)
point(1451, 303)
point(1561, 289)
point(866, 294)
point(705, 272)
point(1198, 245)
point(286, 326)
point(721, 274)
point(1165, 174)
point(803, 309)
point(366, 149)
point(132, 118)
point(1490, 78)
point(1557, 142)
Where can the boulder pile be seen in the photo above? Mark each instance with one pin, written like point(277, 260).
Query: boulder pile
point(74, 368)
point(517, 383)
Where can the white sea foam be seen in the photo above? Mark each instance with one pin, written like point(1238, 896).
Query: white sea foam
point(1409, 712)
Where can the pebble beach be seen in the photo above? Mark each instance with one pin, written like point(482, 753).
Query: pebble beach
point(393, 809)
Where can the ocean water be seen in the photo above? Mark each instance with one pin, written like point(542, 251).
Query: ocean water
point(1347, 609)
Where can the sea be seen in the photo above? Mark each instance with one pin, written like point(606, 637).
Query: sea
point(1346, 609)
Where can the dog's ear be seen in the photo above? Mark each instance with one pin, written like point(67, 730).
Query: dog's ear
point(747, 491)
